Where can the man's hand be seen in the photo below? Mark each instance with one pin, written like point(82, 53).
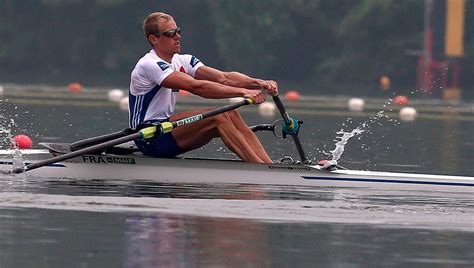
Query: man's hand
point(270, 86)
point(256, 95)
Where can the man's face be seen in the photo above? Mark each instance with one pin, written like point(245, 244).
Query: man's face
point(169, 39)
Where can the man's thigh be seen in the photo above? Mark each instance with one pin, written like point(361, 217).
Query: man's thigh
point(195, 135)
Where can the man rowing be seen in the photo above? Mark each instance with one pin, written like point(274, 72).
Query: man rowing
point(162, 72)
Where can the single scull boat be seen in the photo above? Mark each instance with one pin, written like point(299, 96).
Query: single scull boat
point(105, 157)
point(135, 166)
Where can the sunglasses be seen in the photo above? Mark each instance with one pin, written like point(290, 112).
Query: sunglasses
point(170, 33)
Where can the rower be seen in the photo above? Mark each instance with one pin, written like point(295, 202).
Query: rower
point(161, 73)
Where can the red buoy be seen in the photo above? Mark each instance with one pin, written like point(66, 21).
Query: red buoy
point(400, 100)
point(75, 87)
point(292, 95)
point(23, 142)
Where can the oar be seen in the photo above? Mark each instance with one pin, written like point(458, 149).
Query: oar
point(145, 133)
point(290, 127)
point(100, 139)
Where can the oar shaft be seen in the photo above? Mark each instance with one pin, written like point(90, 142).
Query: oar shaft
point(80, 152)
point(287, 120)
point(204, 115)
point(281, 109)
point(227, 108)
point(299, 148)
point(100, 139)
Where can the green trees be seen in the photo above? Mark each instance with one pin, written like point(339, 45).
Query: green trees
point(339, 44)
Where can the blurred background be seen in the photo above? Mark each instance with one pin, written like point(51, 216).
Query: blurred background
point(345, 47)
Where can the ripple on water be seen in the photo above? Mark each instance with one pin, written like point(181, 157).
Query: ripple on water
point(266, 203)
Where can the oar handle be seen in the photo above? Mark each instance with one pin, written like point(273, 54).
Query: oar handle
point(281, 109)
point(289, 122)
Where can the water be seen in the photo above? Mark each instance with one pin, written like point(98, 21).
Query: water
point(112, 223)
point(47, 237)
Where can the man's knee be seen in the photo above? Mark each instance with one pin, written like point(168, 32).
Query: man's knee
point(220, 119)
point(226, 118)
point(234, 115)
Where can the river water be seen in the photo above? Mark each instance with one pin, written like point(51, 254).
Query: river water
point(112, 223)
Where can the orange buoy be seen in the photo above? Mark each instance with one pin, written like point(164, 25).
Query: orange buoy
point(292, 95)
point(75, 87)
point(22, 142)
point(384, 82)
point(400, 100)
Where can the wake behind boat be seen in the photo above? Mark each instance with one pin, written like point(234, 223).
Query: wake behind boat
point(135, 166)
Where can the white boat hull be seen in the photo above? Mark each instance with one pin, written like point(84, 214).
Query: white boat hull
point(209, 171)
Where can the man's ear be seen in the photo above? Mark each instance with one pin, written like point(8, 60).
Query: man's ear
point(152, 39)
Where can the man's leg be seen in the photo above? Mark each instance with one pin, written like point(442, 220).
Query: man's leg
point(197, 134)
point(249, 135)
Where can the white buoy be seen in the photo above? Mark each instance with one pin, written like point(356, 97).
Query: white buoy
point(115, 95)
point(267, 109)
point(236, 99)
point(123, 104)
point(408, 114)
point(1, 91)
point(356, 104)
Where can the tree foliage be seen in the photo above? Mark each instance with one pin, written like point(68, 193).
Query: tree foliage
point(317, 42)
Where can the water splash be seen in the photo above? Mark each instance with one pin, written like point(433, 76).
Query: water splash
point(6, 136)
point(18, 161)
point(7, 140)
point(342, 139)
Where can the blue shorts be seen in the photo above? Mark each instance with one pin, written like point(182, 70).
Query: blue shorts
point(163, 146)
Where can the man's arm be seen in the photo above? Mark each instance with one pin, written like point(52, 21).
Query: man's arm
point(210, 89)
point(235, 79)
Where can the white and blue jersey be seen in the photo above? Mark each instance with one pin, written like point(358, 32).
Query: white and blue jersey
point(148, 100)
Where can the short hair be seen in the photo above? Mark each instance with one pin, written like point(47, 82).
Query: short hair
point(151, 23)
